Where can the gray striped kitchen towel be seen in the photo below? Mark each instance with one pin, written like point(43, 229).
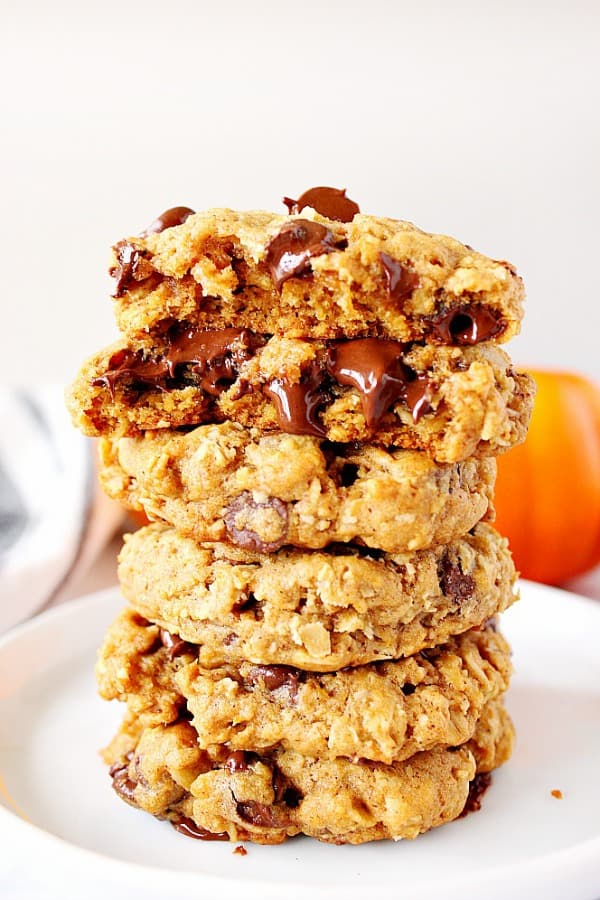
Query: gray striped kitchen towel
point(48, 501)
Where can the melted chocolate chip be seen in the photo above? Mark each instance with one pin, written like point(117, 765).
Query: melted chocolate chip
point(211, 359)
point(130, 365)
point(124, 786)
point(127, 270)
point(453, 582)
point(188, 827)
point(215, 356)
point(329, 202)
point(408, 689)
point(259, 814)
point(418, 396)
point(348, 474)
point(292, 797)
point(169, 219)
point(297, 405)
point(242, 508)
point(477, 789)
point(174, 645)
point(400, 280)
point(288, 254)
point(374, 367)
point(466, 325)
point(276, 677)
point(238, 761)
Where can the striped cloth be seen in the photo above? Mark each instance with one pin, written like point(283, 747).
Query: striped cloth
point(49, 505)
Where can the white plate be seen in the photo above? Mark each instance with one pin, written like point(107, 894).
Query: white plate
point(57, 807)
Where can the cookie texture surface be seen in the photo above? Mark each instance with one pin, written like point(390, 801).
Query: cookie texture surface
point(217, 483)
point(314, 610)
point(311, 275)
point(451, 402)
point(383, 712)
point(267, 797)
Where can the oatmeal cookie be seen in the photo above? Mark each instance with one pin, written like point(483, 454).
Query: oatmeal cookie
point(315, 610)
point(217, 483)
point(307, 273)
point(268, 797)
point(384, 712)
point(451, 402)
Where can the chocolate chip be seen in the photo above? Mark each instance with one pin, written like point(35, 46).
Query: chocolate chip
point(175, 645)
point(453, 582)
point(128, 269)
point(477, 788)
point(188, 827)
point(408, 689)
point(283, 790)
point(124, 786)
point(242, 508)
point(177, 215)
point(297, 404)
point(238, 761)
point(467, 325)
point(418, 395)
point(214, 357)
point(400, 280)
point(348, 474)
point(288, 254)
point(276, 677)
point(329, 202)
point(261, 814)
point(374, 367)
point(208, 359)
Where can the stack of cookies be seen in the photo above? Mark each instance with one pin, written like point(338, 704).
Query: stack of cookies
point(307, 406)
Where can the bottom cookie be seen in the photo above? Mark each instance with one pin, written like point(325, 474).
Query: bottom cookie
point(240, 795)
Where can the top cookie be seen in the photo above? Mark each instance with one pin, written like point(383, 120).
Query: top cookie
point(322, 271)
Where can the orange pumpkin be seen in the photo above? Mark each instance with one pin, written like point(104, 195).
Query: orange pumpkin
point(548, 489)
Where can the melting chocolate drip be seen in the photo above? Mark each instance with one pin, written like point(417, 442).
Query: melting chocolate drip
point(174, 645)
point(477, 789)
point(188, 827)
point(275, 677)
point(401, 281)
point(177, 215)
point(212, 358)
point(297, 405)
point(466, 325)
point(418, 396)
point(374, 367)
point(288, 254)
point(328, 201)
point(127, 269)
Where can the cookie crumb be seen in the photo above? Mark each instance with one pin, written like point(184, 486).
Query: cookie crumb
point(240, 851)
point(556, 793)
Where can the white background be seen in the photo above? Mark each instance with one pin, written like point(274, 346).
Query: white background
point(478, 119)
